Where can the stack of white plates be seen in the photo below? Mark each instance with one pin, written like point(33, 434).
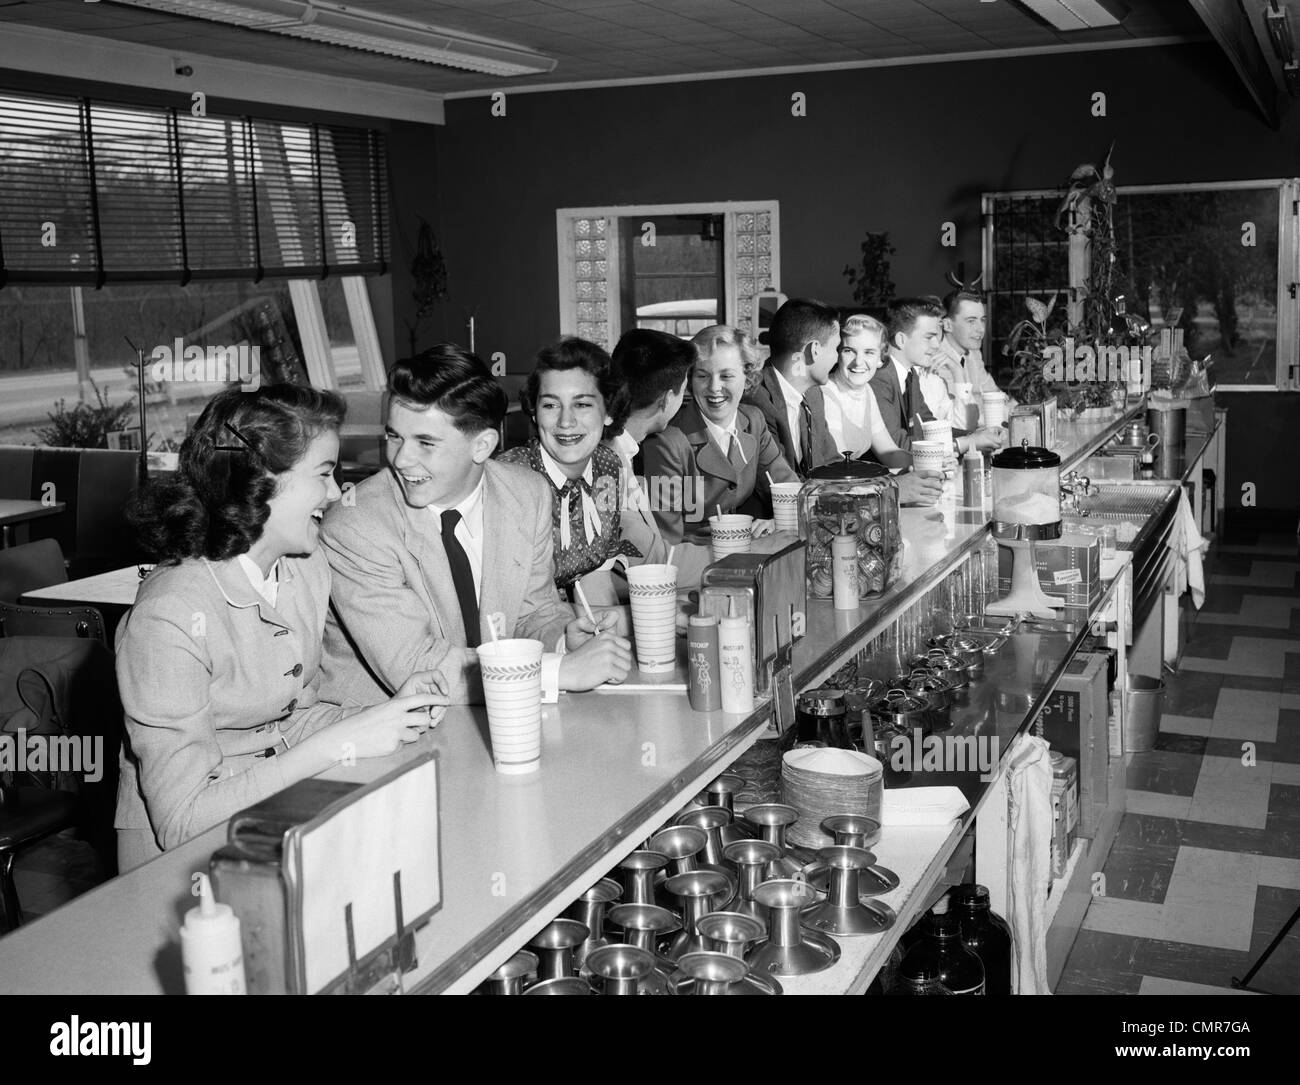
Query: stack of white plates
point(821, 781)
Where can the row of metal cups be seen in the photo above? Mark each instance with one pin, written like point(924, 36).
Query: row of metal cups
point(923, 698)
point(707, 907)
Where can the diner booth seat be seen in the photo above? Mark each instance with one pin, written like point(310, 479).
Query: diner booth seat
point(95, 484)
point(362, 442)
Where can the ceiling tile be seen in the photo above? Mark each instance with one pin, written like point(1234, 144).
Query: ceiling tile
point(594, 39)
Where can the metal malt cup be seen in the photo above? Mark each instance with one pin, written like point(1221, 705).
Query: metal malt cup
point(1170, 425)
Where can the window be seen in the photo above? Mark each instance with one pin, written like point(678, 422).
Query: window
point(673, 277)
point(94, 192)
point(200, 230)
point(1218, 261)
point(72, 344)
point(674, 267)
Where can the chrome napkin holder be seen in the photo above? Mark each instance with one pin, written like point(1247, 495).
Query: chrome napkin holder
point(263, 875)
point(771, 590)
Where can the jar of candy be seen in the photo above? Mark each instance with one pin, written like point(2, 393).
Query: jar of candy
point(851, 498)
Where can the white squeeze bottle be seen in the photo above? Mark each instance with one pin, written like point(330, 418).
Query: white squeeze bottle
point(736, 659)
point(211, 949)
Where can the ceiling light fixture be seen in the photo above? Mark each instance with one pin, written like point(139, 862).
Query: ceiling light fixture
point(1278, 21)
point(338, 24)
point(1078, 14)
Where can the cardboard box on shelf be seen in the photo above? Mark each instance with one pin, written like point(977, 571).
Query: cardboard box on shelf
point(1068, 567)
point(1075, 721)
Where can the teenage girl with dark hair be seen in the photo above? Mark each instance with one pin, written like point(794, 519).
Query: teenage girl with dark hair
point(217, 661)
point(575, 402)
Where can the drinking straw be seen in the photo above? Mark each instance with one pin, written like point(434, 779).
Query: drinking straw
point(492, 628)
point(769, 478)
point(718, 510)
point(671, 551)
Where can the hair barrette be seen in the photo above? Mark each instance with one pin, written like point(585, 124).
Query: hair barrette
point(235, 448)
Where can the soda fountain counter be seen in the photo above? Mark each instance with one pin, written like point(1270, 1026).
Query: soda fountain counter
point(516, 851)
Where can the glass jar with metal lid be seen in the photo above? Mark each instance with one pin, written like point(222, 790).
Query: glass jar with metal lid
point(1027, 493)
point(821, 718)
point(858, 499)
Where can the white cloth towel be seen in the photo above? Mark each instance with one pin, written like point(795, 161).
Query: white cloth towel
point(1188, 543)
point(1029, 795)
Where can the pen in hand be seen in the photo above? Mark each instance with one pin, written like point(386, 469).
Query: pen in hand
point(582, 598)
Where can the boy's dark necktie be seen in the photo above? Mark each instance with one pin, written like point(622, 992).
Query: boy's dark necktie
point(805, 437)
point(462, 576)
point(911, 399)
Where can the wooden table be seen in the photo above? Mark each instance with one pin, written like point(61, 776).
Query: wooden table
point(13, 511)
point(114, 588)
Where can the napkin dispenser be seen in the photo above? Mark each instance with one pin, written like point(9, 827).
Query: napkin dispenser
point(328, 900)
point(1035, 423)
point(770, 589)
point(248, 874)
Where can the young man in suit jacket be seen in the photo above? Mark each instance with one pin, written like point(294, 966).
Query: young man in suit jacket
point(427, 552)
point(961, 361)
point(805, 340)
point(717, 450)
point(914, 335)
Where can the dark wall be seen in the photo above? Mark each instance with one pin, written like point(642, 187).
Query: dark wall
point(902, 149)
point(414, 194)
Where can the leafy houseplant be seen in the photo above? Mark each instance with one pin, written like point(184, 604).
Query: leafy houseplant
point(428, 280)
point(84, 426)
point(1026, 346)
point(872, 286)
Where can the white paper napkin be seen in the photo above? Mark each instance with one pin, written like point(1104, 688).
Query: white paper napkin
point(922, 805)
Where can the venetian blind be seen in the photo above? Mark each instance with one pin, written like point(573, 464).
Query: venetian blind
point(94, 192)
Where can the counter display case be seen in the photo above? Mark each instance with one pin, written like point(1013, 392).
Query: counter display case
point(616, 766)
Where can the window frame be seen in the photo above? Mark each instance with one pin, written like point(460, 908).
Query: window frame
point(1286, 375)
point(729, 209)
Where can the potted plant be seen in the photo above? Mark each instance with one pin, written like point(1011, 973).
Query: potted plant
point(1027, 347)
point(84, 426)
point(428, 281)
point(873, 288)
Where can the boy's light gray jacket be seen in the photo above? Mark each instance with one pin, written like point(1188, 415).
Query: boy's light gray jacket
point(395, 609)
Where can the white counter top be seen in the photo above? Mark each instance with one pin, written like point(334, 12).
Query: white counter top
point(517, 850)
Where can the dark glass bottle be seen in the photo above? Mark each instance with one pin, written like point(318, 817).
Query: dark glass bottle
point(941, 950)
point(985, 934)
point(924, 980)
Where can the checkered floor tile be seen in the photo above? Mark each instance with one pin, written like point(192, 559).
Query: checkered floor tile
point(1205, 869)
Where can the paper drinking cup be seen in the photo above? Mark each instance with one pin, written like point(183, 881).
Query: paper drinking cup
point(785, 505)
point(652, 590)
point(512, 687)
point(929, 455)
point(730, 534)
point(995, 408)
point(937, 431)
